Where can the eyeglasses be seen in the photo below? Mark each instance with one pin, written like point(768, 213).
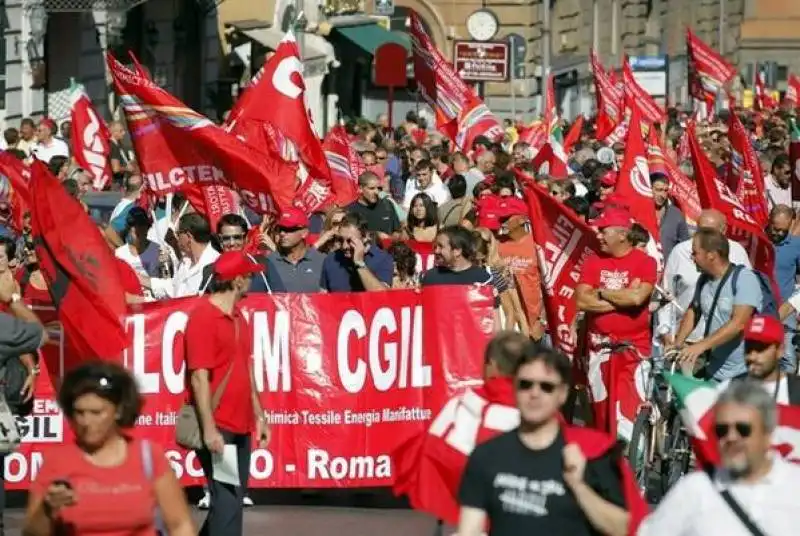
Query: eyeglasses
point(381, 158)
point(288, 229)
point(526, 385)
point(743, 429)
point(231, 238)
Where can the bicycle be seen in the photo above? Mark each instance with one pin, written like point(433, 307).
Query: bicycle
point(676, 451)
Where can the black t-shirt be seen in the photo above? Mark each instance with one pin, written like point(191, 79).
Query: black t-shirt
point(381, 217)
point(439, 275)
point(523, 491)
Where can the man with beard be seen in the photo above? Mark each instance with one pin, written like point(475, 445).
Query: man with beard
point(379, 214)
point(787, 264)
point(777, 185)
point(671, 222)
point(751, 492)
point(359, 265)
point(454, 253)
point(763, 350)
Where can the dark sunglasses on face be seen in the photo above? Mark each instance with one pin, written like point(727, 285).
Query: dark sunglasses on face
point(288, 229)
point(231, 238)
point(743, 429)
point(526, 385)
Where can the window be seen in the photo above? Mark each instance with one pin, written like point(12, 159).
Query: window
point(781, 74)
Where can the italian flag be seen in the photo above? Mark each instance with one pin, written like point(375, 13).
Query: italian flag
point(696, 400)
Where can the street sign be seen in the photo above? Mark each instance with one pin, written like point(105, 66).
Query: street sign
point(478, 61)
point(652, 73)
point(520, 47)
point(384, 7)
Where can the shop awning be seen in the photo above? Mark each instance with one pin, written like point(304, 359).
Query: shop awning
point(270, 37)
point(369, 37)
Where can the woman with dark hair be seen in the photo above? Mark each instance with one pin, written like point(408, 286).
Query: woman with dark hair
point(422, 224)
point(405, 266)
point(105, 482)
point(139, 252)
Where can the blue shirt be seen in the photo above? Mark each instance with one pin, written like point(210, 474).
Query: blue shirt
point(727, 360)
point(787, 264)
point(339, 274)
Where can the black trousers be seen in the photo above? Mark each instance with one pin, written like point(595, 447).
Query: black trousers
point(226, 513)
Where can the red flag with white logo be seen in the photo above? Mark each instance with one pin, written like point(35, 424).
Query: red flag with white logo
point(744, 172)
point(742, 227)
point(682, 189)
point(91, 142)
point(179, 148)
point(636, 96)
point(792, 97)
point(460, 114)
point(633, 184)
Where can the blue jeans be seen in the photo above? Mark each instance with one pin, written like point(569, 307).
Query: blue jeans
point(789, 359)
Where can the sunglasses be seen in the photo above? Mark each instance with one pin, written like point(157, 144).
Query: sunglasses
point(743, 429)
point(231, 238)
point(288, 229)
point(527, 385)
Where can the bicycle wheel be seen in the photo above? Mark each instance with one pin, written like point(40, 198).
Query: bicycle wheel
point(678, 454)
point(639, 448)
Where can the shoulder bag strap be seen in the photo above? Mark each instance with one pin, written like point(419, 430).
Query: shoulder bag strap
point(740, 513)
point(714, 301)
point(217, 396)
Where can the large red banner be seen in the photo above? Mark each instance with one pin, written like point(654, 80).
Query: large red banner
point(344, 379)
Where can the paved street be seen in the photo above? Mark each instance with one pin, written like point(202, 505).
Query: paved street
point(329, 513)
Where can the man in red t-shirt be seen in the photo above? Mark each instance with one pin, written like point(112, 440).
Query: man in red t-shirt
point(614, 291)
point(222, 386)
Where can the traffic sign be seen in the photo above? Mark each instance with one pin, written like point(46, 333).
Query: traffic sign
point(479, 61)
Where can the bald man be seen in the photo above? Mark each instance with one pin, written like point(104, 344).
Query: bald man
point(681, 274)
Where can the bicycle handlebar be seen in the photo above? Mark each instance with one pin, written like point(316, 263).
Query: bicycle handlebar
point(615, 346)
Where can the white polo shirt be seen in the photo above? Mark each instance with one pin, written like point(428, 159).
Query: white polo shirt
point(56, 147)
point(694, 506)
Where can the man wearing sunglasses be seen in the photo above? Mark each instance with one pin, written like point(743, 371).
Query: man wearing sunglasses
point(536, 479)
point(297, 266)
point(752, 492)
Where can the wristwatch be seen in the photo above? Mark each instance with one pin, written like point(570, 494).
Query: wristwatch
point(15, 298)
point(359, 264)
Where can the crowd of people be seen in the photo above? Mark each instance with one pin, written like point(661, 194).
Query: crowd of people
point(702, 299)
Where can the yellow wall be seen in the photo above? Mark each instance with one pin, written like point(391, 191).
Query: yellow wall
point(236, 10)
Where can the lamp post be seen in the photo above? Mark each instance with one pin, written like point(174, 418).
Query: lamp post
point(300, 24)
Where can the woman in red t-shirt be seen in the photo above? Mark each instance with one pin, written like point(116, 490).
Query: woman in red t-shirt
point(106, 483)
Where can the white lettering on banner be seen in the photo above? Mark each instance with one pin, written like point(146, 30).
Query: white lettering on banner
point(19, 468)
point(396, 373)
point(177, 177)
point(322, 466)
point(259, 202)
point(150, 382)
point(640, 177)
point(271, 352)
point(93, 148)
point(462, 418)
point(282, 77)
point(262, 464)
point(41, 428)
point(568, 238)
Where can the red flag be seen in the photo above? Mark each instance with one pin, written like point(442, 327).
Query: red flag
point(534, 135)
point(429, 466)
point(140, 69)
point(681, 188)
point(762, 100)
point(744, 172)
point(793, 91)
point(633, 184)
point(556, 167)
point(184, 148)
point(79, 267)
point(345, 163)
point(742, 227)
point(18, 176)
point(650, 111)
point(708, 70)
point(460, 114)
point(563, 240)
point(609, 99)
point(574, 134)
point(550, 107)
point(282, 86)
point(91, 142)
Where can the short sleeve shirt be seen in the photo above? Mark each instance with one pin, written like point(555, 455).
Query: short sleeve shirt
point(727, 360)
point(616, 273)
point(112, 501)
point(213, 344)
point(18, 337)
point(339, 274)
point(381, 217)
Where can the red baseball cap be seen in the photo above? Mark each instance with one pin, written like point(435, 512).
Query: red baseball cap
point(613, 217)
point(764, 329)
point(609, 179)
point(233, 264)
point(292, 218)
point(512, 206)
point(488, 211)
point(49, 123)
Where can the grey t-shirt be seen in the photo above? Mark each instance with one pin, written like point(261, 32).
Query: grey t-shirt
point(727, 360)
point(18, 337)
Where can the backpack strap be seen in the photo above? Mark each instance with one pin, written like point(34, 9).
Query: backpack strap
point(737, 269)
